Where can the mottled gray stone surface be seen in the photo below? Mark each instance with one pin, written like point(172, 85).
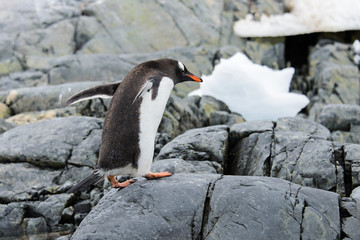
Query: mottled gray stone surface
point(209, 143)
point(49, 143)
point(193, 206)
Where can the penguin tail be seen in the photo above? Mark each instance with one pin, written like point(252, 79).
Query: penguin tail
point(93, 178)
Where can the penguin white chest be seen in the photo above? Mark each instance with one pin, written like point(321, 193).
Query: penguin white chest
point(151, 112)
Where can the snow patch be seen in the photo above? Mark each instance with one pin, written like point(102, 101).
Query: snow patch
point(307, 16)
point(256, 92)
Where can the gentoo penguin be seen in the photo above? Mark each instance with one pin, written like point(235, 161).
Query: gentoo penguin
point(132, 120)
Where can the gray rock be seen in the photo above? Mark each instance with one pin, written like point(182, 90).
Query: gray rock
point(351, 155)
point(82, 206)
point(5, 111)
point(296, 212)
point(37, 116)
point(186, 113)
point(87, 152)
point(196, 59)
point(199, 24)
point(155, 205)
point(57, 39)
point(4, 125)
point(351, 217)
point(67, 214)
point(72, 175)
point(66, 237)
point(95, 196)
point(177, 165)
point(336, 77)
point(35, 225)
point(193, 206)
point(44, 97)
point(209, 104)
point(180, 115)
point(22, 181)
point(242, 130)
point(209, 144)
point(302, 125)
point(266, 51)
point(294, 149)
point(29, 78)
point(251, 155)
point(51, 209)
point(95, 67)
point(11, 219)
point(345, 137)
point(160, 140)
point(249, 148)
point(306, 160)
point(223, 117)
point(48, 143)
point(339, 116)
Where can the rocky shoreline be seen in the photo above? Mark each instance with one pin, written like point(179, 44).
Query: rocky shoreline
point(293, 178)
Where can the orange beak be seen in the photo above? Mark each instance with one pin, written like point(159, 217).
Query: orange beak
point(195, 78)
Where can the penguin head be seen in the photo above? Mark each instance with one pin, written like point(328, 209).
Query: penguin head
point(173, 69)
point(183, 75)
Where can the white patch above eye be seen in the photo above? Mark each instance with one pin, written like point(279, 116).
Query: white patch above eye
point(181, 66)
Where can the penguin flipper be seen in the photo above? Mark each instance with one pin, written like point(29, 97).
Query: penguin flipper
point(101, 91)
point(93, 178)
point(145, 88)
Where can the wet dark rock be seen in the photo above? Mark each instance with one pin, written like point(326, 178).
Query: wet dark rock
point(207, 210)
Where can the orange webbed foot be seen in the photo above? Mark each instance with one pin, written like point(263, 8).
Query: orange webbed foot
point(152, 175)
point(116, 184)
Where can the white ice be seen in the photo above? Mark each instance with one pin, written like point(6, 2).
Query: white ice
point(307, 16)
point(256, 92)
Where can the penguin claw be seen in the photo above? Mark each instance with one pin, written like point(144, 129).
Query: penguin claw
point(116, 184)
point(152, 175)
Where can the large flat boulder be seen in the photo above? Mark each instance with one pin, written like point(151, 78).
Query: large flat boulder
point(196, 206)
point(51, 143)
